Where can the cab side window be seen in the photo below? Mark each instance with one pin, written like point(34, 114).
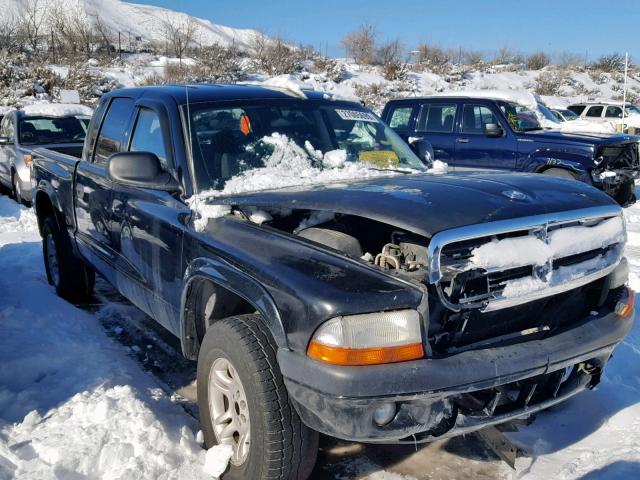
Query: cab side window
point(437, 118)
point(475, 117)
point(595, 111)
point(148, 136)
point(113, 133)
point(615, 112)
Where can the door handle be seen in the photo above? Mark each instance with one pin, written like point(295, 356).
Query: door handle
point(462, 140)
point(412, 140)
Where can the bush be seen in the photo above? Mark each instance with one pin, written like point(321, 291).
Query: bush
point(550, 82)
point(537, 61)
point(334, 70)
point(218, 63)
point(434, 58)
point(609, 63)
point(275, 57)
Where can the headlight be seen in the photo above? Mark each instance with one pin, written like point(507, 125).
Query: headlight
point(369, 339)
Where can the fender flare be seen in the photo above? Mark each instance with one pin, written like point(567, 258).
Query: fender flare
point(540, 161)
point(231, 278)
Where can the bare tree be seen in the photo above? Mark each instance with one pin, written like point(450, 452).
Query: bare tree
point(9, 33)
point(361, 44)
point(179, 34)
point(31, 21)
point(389, 56)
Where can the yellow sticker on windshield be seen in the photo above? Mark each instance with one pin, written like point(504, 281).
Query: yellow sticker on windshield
point(381, 158)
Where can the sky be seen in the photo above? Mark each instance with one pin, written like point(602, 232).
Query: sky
point(583, 27)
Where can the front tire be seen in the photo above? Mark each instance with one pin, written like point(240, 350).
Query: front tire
point(70, 276)
point(243, 402)
point(16, 190)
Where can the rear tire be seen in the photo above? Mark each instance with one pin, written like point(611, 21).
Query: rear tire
point(559, 172)
point(69, 275)
point(240, 385)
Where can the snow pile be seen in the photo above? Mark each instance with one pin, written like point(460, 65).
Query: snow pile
point(438, 167)
point(530, 250)
point(72, 403)
point(57, 110)
point(285, 83)
point(289, 165)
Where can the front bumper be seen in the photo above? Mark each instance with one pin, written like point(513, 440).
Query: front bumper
point(433, 396)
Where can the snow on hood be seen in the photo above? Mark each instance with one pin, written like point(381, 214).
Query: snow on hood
point(289, 165)
point(585, 126)
point(57, 110)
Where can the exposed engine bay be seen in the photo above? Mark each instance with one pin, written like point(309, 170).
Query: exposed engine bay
point(382, 245)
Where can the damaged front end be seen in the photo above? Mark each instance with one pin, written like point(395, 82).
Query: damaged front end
point(617, 168)
point(522, 314)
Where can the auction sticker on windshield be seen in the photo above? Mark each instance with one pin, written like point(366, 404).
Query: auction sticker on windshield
point(381, 158)
point(357, 116)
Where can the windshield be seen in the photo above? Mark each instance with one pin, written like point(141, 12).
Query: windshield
point(633, 110)
point(296, 137)
point(547, 113)
point(521, 118)
point(569, 114)
point(51, 130)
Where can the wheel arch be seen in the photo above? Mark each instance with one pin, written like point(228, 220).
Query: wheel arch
point(235, 293)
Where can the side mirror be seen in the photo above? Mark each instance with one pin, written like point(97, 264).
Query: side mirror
point(493, 130)
point(140, 169)
point(5, 140)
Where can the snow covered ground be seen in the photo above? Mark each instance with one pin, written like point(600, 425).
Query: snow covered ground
point(77, 403)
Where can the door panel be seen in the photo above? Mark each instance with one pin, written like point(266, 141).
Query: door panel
point(474, 149)
point(147, 229)
point(436, 122)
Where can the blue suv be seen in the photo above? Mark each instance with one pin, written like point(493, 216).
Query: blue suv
point(493, 134)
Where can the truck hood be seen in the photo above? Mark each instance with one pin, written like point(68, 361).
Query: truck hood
point(427, 204)
point(556, 136)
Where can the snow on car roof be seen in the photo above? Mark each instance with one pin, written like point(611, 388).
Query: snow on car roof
point(521, 97)
point(56, 109)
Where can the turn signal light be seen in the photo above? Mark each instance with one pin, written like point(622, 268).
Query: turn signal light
point(368, 339)
point(624, 308)
point(28, 159)
point(364, 356)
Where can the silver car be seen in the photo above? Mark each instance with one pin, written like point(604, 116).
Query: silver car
point(23, 131)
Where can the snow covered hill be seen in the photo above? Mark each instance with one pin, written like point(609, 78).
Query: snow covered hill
point(144, 21)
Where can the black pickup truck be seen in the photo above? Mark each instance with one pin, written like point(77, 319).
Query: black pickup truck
point(324, 278)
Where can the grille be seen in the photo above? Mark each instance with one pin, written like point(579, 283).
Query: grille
point(500, 270)
point(621, 157)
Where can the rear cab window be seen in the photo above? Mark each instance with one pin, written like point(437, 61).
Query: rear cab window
point(577, 109)
point(437, 117)
point(400, 117)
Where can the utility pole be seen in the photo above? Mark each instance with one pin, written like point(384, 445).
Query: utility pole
point(624, 89)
